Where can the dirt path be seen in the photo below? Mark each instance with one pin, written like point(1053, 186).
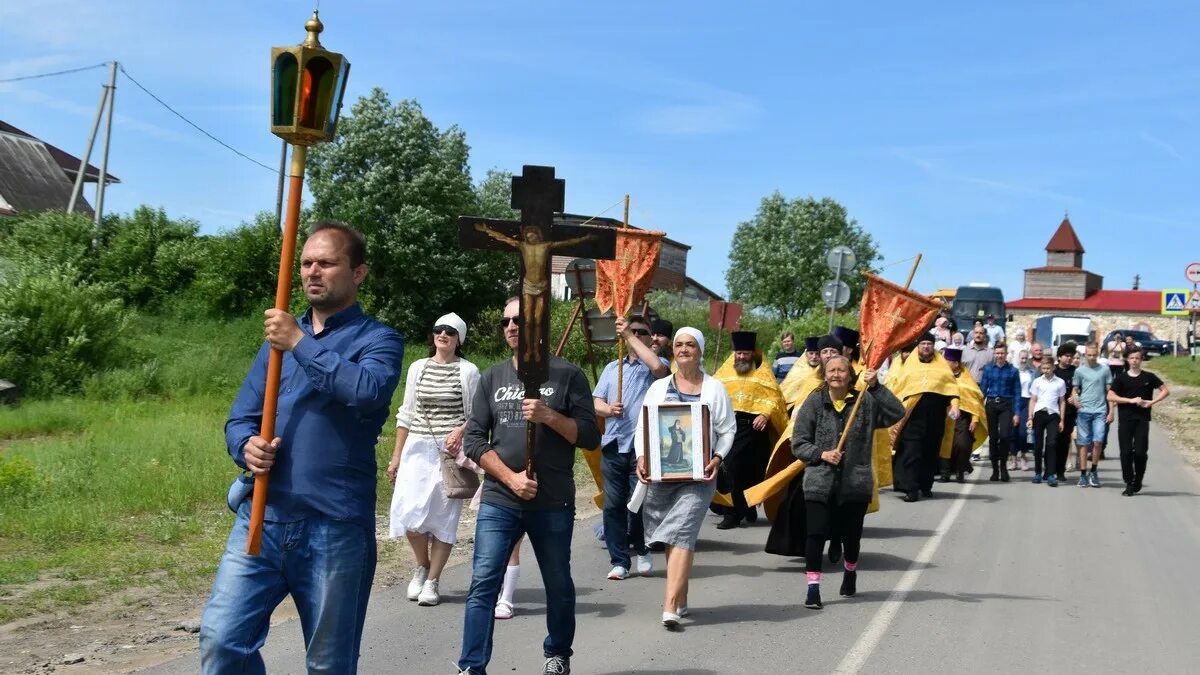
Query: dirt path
point(139, 628)
point(1180, 414)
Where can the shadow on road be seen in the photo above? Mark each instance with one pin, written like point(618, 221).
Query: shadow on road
point(659, 671)
point(735, 571)
point(927, 596)
point(894, 532)
point(722, 614)
point(1164, 493)
point(684, 671)
point(724, 545)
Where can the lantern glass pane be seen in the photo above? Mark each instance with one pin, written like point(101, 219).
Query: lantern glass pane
point(283, 101)
point(339, 90)
point(316, 92)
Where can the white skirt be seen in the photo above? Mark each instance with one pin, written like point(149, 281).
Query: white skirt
point(419, 503)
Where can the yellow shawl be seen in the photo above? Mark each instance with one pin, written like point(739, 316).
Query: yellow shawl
point(800, 382)
point(970, 400)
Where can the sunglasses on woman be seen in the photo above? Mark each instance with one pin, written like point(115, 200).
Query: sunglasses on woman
point(450, 331)
point(504, 321)
point(640, 332)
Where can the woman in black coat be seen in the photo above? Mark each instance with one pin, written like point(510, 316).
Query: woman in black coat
point(838, 484)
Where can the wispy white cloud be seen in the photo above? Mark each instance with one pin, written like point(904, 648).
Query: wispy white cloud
point(1160, 144)
point(729, 112)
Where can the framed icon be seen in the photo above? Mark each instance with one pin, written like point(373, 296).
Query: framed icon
point(676, 438)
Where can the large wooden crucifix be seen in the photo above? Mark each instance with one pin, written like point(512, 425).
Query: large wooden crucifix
point(538, 195)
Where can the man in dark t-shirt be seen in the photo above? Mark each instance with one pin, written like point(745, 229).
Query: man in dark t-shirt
point(514, 504)
point(1135, 391)
point(1065, 372)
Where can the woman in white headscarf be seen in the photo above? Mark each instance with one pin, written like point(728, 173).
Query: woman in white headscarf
point(437, 402)
point(673, 512)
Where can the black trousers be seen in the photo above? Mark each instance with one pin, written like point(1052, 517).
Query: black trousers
point(1062, 448)
point(999, 418)
point(843, 522)
point(1133, 434)
point(1045, 439)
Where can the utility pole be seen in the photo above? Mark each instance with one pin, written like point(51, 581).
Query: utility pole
point(87, 152)
point(112, 94)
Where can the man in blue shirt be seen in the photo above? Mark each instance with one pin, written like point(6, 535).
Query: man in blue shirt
point(1001, 386)
point(623, 529)
point(340, 368)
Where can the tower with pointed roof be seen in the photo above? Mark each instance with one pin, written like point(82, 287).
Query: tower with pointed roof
point(1063, 276)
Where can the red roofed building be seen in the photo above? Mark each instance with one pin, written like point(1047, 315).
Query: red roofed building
point(1063, 287)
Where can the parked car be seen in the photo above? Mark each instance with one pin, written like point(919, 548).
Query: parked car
point(1147, 341)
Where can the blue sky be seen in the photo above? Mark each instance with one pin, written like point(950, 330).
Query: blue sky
point(957, 131)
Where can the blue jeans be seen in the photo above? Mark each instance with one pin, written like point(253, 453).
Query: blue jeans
point(326, 565)
point(1089, 428)
point(496, 532)
point(1020, 435)
point(622, 529)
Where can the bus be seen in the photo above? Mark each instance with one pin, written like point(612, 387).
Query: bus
point(976, 301)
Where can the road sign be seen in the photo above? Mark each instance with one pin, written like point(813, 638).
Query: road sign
point(840, 259)
point(1193, 273)
point(835, 294)
point(1194, 302)
point(1174, 301)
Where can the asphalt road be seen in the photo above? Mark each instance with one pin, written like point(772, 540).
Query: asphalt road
point(990, 577)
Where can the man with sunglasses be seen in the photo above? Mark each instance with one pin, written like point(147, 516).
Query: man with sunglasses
point(618, 465)
point(514, 504)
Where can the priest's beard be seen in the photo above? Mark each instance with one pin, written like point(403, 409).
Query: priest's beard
point(742, 367)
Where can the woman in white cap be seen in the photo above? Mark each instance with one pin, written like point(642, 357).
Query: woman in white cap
point(673, 512)
point(431, 421)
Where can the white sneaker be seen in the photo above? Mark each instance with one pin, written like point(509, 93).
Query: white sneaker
point(420, 574)
point(504, 610)
point(682, 611)
point(618, 573)
point(429, 594)
point(645, 564)
point(670, 619)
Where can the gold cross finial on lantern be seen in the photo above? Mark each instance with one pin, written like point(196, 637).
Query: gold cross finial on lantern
point(314, 28)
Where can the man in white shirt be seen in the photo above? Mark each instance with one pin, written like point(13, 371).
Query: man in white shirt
point(994, 332)
point(1047, 403)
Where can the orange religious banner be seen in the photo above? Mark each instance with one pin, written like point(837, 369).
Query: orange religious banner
point(622, 282)
point(892, 316)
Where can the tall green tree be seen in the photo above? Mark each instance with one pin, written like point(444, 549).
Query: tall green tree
point(777, 261)
point(393, 174)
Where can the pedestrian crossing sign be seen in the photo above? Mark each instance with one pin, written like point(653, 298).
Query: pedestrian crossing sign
point(1175, 301)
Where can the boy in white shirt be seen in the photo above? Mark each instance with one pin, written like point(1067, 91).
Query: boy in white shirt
point(1047, 408)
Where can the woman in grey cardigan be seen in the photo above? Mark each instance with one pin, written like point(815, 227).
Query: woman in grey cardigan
point(838, 485)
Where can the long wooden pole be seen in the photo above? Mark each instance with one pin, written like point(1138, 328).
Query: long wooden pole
point(866, 350)
point(620, 312)
point(283, 294)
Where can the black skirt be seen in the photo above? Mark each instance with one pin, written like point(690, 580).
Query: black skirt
point(790, 528)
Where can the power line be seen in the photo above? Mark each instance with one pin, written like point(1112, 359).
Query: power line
point(57, 72)
point(195, 126)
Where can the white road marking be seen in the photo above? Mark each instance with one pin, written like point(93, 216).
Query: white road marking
point(857, 656)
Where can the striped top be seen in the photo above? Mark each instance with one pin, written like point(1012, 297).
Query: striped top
point(439, 402)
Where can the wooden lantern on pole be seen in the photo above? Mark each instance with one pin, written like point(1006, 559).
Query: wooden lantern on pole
point(307, 85)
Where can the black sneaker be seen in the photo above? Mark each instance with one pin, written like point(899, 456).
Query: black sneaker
point(1137, 486)
point(813, 601)
point(912, 497)
point(995, 476)
point(1128, 491)
point(752, 516)
point(729, 522)
point(849, 584)
point(944, 478)
point(928, 494)
point(557, 665)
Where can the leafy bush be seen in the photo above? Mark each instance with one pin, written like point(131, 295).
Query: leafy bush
point(147, 257)
point(238, 274)
point(135, 382)
point(19, 481)
point(55, 331)
point(50, 239)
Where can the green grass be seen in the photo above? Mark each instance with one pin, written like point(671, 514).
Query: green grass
point(1176, 370)
point(123, 486)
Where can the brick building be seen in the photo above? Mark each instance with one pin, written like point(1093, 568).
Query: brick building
point(1062, 287)
point(671, 274)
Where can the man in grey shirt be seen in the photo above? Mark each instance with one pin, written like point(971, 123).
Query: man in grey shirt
point(1090, 383)
point(977, 353)
point(514, 504)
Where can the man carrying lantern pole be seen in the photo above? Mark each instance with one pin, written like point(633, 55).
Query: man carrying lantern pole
point(313, 535)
